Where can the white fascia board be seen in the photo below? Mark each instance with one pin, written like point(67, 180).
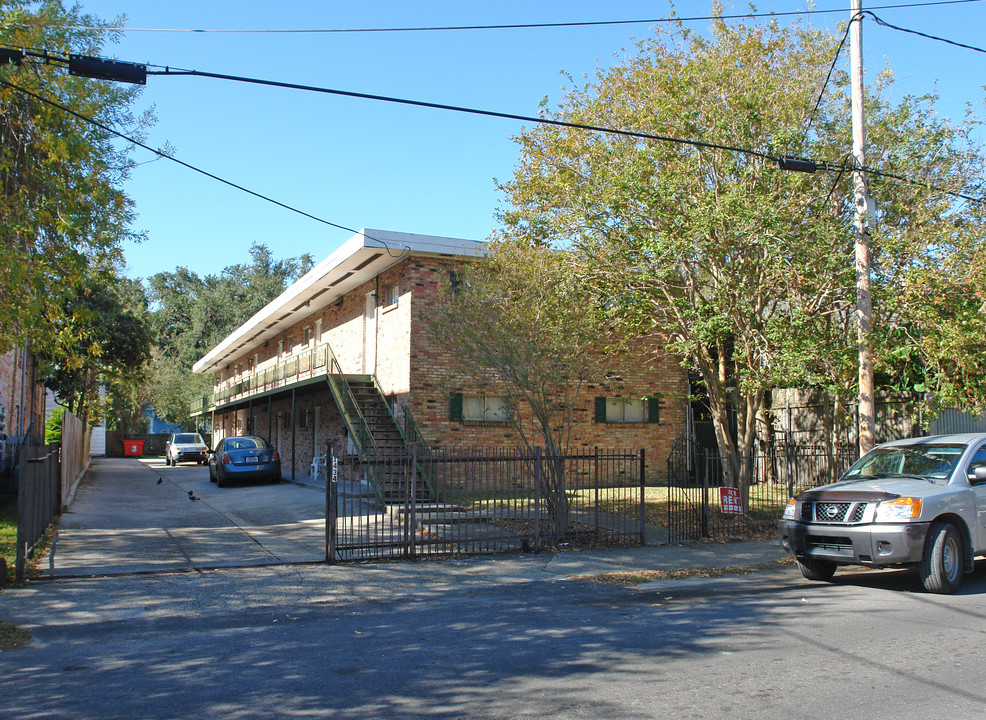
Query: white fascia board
point(395, 246)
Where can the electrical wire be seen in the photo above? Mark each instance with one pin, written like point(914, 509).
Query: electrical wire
point(841, 167)
point(510, 26)
point(821, 94)
point(917, 183)
point(823, 165)
point(165, 156)
point(879, 21)
point(468, 110)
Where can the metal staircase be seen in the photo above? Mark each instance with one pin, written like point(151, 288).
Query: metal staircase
point(379, 439)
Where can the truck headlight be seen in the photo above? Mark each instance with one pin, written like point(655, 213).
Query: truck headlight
point(905, 508)
point(790, 510)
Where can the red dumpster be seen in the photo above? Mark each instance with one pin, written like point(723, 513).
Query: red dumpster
point(133, 448)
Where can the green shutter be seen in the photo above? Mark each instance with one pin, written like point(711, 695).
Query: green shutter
point(653, 410)
point(455, 407)
point(600, 409)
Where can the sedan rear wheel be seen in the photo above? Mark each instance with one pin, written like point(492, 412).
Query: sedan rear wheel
point(942, 564)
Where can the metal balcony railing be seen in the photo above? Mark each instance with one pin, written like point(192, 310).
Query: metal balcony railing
point(304, 365)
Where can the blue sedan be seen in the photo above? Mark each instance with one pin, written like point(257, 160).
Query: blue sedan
point(244, 458)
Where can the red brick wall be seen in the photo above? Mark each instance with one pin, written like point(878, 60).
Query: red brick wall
point(655, 373)
point(413, 369)
point(21, 397)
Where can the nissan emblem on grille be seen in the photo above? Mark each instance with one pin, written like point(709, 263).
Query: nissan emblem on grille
point(832, 512)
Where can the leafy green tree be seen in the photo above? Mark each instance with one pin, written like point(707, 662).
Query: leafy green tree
point(523, 326)
point(128, 403)
point(940, 327)
point(101, 339)
point(192, 314)
point(61, 178)
point(747, 268)
point(53, 426)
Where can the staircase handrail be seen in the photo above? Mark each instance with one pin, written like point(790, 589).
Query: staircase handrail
point(352, 416)
point(412, 434)
point(390, 410)
point(351, 412)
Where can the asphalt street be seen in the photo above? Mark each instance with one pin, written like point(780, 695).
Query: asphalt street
point(491, 638)
point(512, 636)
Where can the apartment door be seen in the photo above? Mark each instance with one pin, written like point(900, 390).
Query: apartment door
point(370, 334)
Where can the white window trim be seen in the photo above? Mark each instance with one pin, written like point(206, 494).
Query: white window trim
point(393, 295)
point(622, 403)
point(468, 400)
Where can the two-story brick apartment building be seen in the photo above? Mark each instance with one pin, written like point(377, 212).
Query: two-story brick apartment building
point(344, 356)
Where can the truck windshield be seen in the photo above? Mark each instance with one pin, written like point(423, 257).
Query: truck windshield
point(934, 462)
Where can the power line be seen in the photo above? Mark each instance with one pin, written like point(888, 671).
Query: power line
point(779, 160)
point(879, 21)
point(161, 154)
point(472, 111)
point(823, 165)
point(821, 93)
point(510, 26)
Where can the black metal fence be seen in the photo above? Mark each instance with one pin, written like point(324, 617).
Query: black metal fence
point(38, 499)
point(703, 503)
point(8, 462)
point(481, 501)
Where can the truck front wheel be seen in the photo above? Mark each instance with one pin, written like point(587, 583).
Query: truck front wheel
point(941, 566)
point(816, 569)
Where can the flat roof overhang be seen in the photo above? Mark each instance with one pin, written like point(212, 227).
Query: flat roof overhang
point(360, 259)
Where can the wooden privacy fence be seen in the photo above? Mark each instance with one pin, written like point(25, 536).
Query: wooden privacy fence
point(76, 436)
point(701, 503)
point(480, 501)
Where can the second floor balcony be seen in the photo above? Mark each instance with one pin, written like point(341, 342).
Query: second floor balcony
point(301, 367)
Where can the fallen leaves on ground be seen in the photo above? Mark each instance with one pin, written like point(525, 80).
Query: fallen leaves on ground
point(12, 636)
point(629, 579)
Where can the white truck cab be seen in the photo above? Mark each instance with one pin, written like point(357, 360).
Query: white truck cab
point(919, 502)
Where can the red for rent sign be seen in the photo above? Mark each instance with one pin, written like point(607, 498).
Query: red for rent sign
point(730, 501)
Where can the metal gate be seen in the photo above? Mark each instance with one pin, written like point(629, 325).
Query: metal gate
point(481, 501)
point(701, 505)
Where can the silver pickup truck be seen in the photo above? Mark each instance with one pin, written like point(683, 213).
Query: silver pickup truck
point(919, 502)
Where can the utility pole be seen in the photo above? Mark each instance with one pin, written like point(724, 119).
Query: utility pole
point(864, 300)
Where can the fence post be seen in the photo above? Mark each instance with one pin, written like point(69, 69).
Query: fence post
point(20, 558)
point(789, 456)
point(331, 505)
point(667, 480)
point(412, 483)
point(705, 494)
point(643, 504)
point(595, 467)
point(537, 499)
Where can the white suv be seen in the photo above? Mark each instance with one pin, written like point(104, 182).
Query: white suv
point(186, 447)
point(917, 503)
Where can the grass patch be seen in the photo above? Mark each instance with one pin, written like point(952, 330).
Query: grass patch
point(12, 636)
point(8, 540)
point(631, 579)
point(8, 533)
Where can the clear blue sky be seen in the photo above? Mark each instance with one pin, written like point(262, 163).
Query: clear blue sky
point(360, 163)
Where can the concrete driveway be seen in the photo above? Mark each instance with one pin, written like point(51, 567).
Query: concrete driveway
point(133, 515)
